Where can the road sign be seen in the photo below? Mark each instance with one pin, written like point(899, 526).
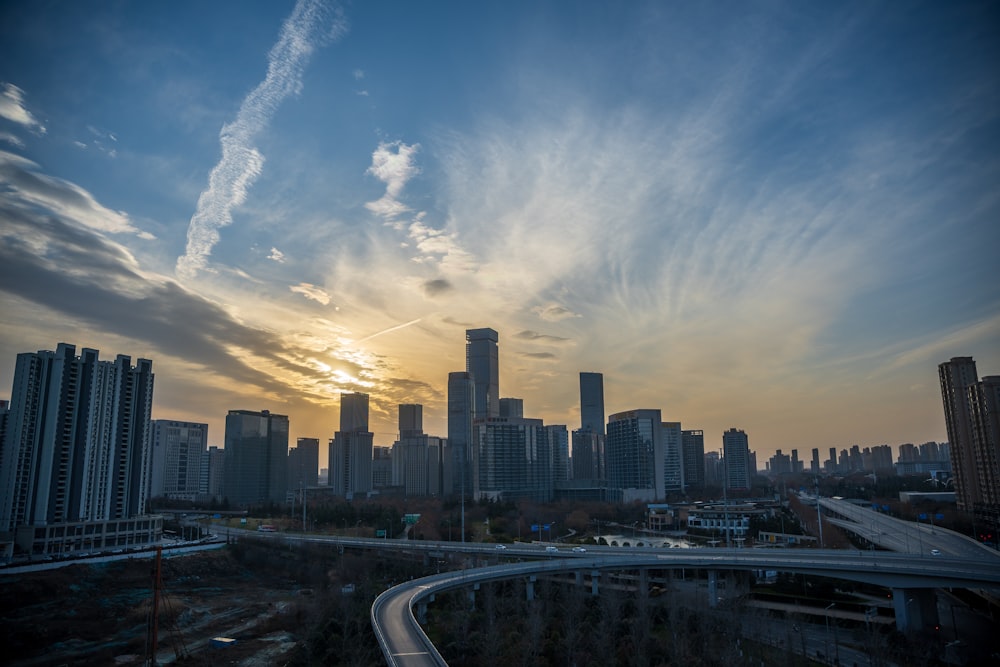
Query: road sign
point(379, 533)
point(410, 519)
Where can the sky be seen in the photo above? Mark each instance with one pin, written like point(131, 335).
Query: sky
point(772, 216)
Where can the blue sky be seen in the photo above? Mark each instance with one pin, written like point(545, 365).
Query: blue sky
point(775, 216)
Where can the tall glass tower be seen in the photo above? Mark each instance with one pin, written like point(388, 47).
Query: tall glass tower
point(592, 402)
point(482, 360)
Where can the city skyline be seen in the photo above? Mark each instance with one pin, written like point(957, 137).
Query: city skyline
point(777, 219)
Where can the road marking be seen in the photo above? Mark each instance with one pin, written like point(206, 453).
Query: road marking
point(417, 653)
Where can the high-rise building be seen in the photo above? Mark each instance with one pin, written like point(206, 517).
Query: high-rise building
point(411, 419)
point(693, 453)
point(512, 407)
point(178, 453)
point(351, 448)
point(482, 360)
point(814, 464)
point(588, 455)
point(256, 464)
point(673, 458)
point(303, 464)
point(75, 458)
point(514, 460)
point(736, 459)
point(77, 440)
point(559, 451)
point(956, 376)
point(592, 402)
point(216, 472)
point(460, 457)
point(635, 456)
point(984, 409)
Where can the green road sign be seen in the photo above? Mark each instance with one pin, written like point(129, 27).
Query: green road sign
point(410, 519)
point(379, 533)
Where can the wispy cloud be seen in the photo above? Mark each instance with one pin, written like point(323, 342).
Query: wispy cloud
point(308, 27)
point(393, 164)
point(553, 312)
point(27, 186)
point(13, 109)
point(276, 256)
point(536, 337)
point(312, 292)
point(11, 139)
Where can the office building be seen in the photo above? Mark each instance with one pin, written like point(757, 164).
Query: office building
point(693, 456)
point(482, 360)
point(178, 454)
point(512, 407)
point(303, 464)
point(592, 402)
point(635, 456)
point(588, 455)
point(514, 459)
point(75, 459)
point(459, 458)
point(256, 463)
point(956, 376)
point(417, 462)
point(673, 458)
point(559, 451)
point(216, 472)
point(814, 466)
point(737, 460)
point(351, 448)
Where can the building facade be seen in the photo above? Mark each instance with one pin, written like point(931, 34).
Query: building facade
point(256, 457)
point(956, 376)
point(351, 448)
point(592, 402)
point(635, 456)
point(736, 459)
point(303, 464)
point(514, 459)
point(178, 456)
point(693, 448)
point(460, 457)
point(482, 360)
point(76, 447)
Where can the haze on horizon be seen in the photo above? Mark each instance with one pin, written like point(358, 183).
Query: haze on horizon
point(778, 217)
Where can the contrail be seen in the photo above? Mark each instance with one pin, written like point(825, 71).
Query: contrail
point(385, 331)
point(308, 27)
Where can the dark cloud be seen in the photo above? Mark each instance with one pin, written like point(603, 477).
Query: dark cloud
point(87, 278)
point(437, 287)
point(534, 336)
point(539, 355)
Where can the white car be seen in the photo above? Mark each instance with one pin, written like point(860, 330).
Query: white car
point(579, 550)
point(935, 552)
point(551, 549)
point(501, 547)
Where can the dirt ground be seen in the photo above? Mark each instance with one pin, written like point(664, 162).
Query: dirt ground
point(97, 614)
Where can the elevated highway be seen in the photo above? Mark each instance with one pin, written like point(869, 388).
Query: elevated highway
point(912, 578)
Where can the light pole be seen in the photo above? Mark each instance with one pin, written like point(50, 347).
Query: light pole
point(836, 642)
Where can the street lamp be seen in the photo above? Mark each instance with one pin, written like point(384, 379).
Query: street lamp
point(836, 643)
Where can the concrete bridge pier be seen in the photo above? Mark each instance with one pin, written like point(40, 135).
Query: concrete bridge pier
point(579, 577)
point(472, 596)
point(916, 609)
point(713, 588)
point(595, 575)
point(643, 582)
point(531, 587)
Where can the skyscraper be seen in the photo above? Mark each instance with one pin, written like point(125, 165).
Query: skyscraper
point(588, 455)
point(512, 407)
point(351, 448)
point(178, 454)
point(256, 457)
point(673, 458)
point(77, 440)
point(736, 455)
point(956, 376)
point(592, 402)
point(514, 460)
point(559, 450)
point(303, 464)
point(984, 408)
point(635, 456)
point(693, 446)
point(482, 360)
point(458, 472)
